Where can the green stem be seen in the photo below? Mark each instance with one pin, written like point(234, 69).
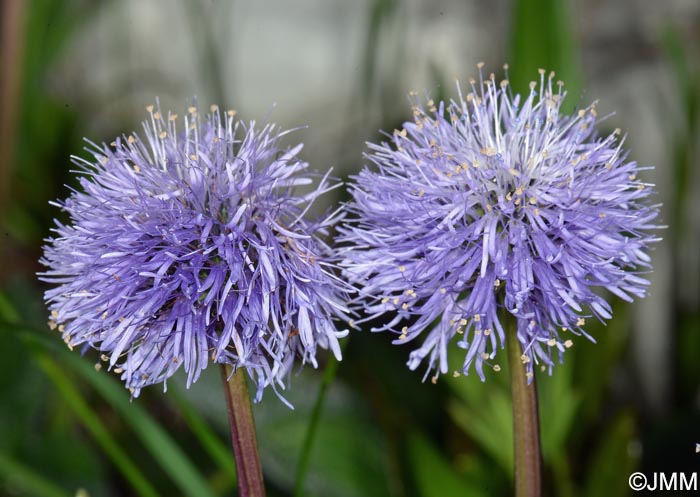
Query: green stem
point(526, 426)
point(303, 467)
point(243, 439)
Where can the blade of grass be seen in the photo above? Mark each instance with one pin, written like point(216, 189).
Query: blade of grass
point(92, 422)
point(212, 443)
point(542, 36)
point(154, 438)
point(27, 480)
point(303, 467)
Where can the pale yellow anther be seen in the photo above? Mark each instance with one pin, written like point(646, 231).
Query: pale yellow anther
point(484, 355)
point(632, 177)
point(601, 215)
point(460, 331)
point(537, 212)
point(113, 144)
point(61, 328)
point(402, 269)
point(456, 374)
point(488, 151)
point(581, 113)
point(216, 139)
point(489, 208)
point(564, 328)
point(533, 85)
point(480, 65)
point(163, 134)
point(54, 313)
point(104, 358)
point(458, 169)
point(533, 200)
point(443, 290)
point(608, 165)
point(193, 157)
point(172, 117)
point(477, 317)
point(453, 322)
point(192, 109)
point(580, 322)
point(385, 300)
point(525, 359)
point(496, 283)
point(231, 113)
point(434, 379)
point(463, 322)
point(541, 71)
point(568, 344)
point(504, 83)
point(118, 370)
point(528, 374)
point(487, 331)
point(98, 366)
point(560, 83)
point(404, 306)
point(156, 115)
point(149, 108)
point(213, 108)
point(617, 131)
point(552, 342)
point(52, 324)
point(496, 368)
point(421, 192)
point(552, 74)
point(131, 139)
point(396, 301)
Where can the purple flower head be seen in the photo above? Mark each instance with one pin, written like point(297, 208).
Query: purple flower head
point(497, 204)
point(189, 247)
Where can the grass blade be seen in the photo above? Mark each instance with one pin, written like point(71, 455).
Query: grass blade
point(154, 438)
point(27, 480)
point(93, 424)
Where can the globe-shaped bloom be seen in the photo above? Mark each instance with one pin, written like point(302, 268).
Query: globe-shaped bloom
point(495, 205)
point(195, 246)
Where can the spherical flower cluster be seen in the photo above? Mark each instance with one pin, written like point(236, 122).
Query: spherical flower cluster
point(497, 205)
point(189, 247)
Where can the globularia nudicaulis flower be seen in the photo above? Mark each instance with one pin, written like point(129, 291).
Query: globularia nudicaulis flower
point(189, 247)
point(497, 203)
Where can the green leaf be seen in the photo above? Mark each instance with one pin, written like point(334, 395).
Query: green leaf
point(434, 476)
point(154, 438)
point(92, 422)
point(613, 462)
point(21, 478)
point(542, 37)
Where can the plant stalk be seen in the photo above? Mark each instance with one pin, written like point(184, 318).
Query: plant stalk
point(243, 438)
point(526, 425)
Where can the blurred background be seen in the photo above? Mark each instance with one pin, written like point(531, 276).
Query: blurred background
point(79, 68)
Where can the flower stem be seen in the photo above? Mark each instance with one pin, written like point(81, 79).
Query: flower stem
point(243, 439)
point(526, 425)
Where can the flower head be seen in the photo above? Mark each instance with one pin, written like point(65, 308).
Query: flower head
point(497, 204)
point(189, 247)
